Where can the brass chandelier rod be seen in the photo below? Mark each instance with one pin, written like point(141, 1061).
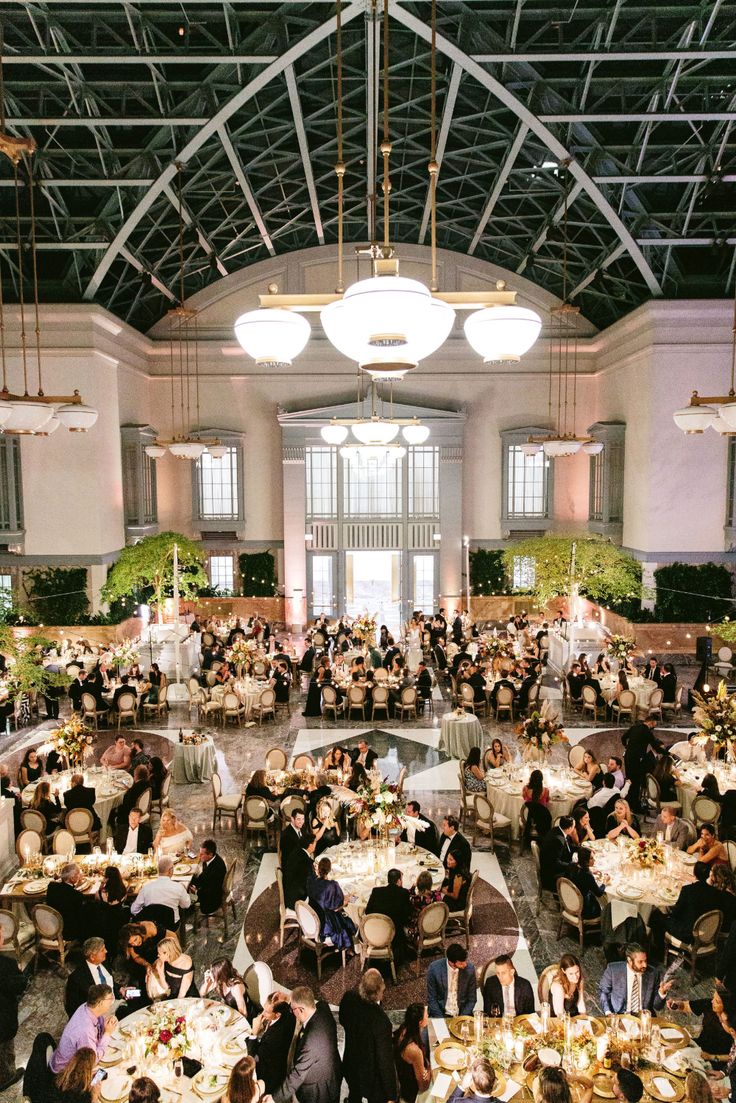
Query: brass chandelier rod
point(340, 166)
point(433, 167)
point(385, 144)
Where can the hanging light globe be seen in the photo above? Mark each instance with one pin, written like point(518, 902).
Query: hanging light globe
point(415, 433)
point(720, 426)
point(76, 417)
point(155, 451)
point(696, 419)
point(333, 433)
point(6, 410)
point(217, 451)
point(51, 426)
point(502, 333)
point(272, 336)
point(187, 449)
point(559, 447)
point(28, 417)
point(531, 448)
point(593, 447)
point(375, 432)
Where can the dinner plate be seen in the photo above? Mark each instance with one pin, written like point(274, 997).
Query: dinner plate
point(603, 1085)
point(233, 1047)
point(630, 892)
point(673, 1036)
point(451, 1056)
point(33, 888)
point(654, 1083)
point(115, 1087)
point(181, 868)
point(549, 1057)
point(456, 1025)
point(210, 1084)
point(596, 1027)
point(689, 859)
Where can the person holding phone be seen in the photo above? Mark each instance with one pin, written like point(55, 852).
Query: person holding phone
point(78, 1082)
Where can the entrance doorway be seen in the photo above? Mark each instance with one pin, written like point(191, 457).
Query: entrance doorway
point(373, 585)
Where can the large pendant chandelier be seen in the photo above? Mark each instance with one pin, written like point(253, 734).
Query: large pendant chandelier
point(713, 411)
point(186, 443)
point(387, 324)
point(30, 414)
point(375, 434)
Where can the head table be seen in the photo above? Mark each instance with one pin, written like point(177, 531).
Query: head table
point(109, 785)
point(214, 1035)
point(360, 867)
point(504, 787)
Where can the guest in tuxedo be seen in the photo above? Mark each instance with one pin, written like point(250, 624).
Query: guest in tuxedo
point(440, 656)
point(297, 870)
point(668, 682)
point(695, 899)
point(575, 682)
point(208, 882)
point(70, 903)
point(639, 743)
point(391, 652)
point(631, 986)
point(141, 782)
point(91, 971)
point(273, 1033)
point(393, 900)
point(530, 680)
point(291, 836)
point(132, 836)
point(555, 853)
point(651, 671)
point(82, 796)
point(504, 683)
point(453, 841)
point(457, 628)
point(451, 984)
point(368, 1060)
point(126, 686)
point(674, 830)
point(423, 681)
point(505, 992)
point(315, 1076)
point(76, 689)
point(363, 755)
point(421, 831)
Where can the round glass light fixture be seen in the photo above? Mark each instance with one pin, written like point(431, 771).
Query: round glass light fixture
point(720, 426)
point(272, 336)
point(6, 410)
point(559, 447)
point(333, 433)
point(415, 433)
point(28, 417)
point(77, 418)
point(531, 448)
point(155, 451)
point(217, 451)
point(593, 447)
point(502, 333)
point(51, 426)
point(696, 419)
point(374, 432)
point(187, 449)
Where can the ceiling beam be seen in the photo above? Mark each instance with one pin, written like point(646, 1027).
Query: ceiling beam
point(620, 248)
point(447, 112)
point(605, 55)
point(499, 185)
point(301, 134)
point(557, 214)
point(109, 120)
point(372, 66)
point(187, 219)
point(645, 117)
point(138, 59)
point(242, 179)
point(666, 242)
point(126, 254)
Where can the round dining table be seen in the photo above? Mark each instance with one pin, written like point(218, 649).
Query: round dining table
point(458, 733)
point(193, 763)
point(215, 1039)
point(504, 789)
point(359, 867)
point(632, 891)
point(642, 688)
point(110, 787)
point(248, 691)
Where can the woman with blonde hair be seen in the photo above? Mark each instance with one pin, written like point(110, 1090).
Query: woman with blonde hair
point(43, 803)
point(566, 990)
point(622, 822)
point(172, 837)
point(172, 974)
point(697, 1089)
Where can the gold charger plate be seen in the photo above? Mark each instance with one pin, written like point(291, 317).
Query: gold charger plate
point(455, 1026)
point(597, 1028)
point(678, 1089)
point(451, 1055)
point(181, 868)
point(603, 1085)
point(121, 1082)
point(234, 1048)
point(203, 1083)
point(674, 1043)
point(34, 888)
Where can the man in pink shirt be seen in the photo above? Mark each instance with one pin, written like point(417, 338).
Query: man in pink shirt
point(90, 1026)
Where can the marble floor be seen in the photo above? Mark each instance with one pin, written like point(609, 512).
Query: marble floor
point(507, 913)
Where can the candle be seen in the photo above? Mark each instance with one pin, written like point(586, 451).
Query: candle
point(479, 1022)
point(646, 1025)
point(601, 1046)
point(519, 1049)
point(544, 1016)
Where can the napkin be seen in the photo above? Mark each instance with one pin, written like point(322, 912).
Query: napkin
point(512, 1089)
point(535, 1023)
point(440, 1029)
point(664, 1087)
point(441, 1085)
point(671, 1035)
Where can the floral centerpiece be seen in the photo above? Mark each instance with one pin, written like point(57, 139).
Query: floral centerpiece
point(123, 654)
point(646, 853)
point(498, 648)
point(365, 628)
point(241, 651)
point(166, 1035)
point(620, 647)
point(716, 717)
point(540, 733)
point(500, 1048)
point(73, 739)
point(381, 807)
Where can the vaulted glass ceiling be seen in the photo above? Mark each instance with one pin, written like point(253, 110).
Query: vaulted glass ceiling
point(641, 98)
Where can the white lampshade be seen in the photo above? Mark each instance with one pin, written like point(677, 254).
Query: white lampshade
point(502, 332)
point(51, 426)
point(375, 432)
point(187, 449)
point(76, 417)
point(155, 451)
point(593, 447)
point(696, 419)
point(28, 417)
point(217, 451)
point(720, 426)
point(559, 448)
point(333, 434)
point(530, 448)
point(415, 433)
point(5, 411)
point(273, 337)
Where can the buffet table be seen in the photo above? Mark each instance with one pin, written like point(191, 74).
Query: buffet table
point(458, 733)
point(193, 762)
point(109, 786)
point(359, 866)
point(211, 1034)
point(504, 787)
point(634, 891)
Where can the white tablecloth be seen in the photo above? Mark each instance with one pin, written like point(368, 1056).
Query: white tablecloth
point(642, 688)
point(504, 792)
point(459, 733)
point(659, 887)
point(359, 867)
point(691, 778)
point(248, 692)
point(7, 837)
point(109, 786)
point(193, 763)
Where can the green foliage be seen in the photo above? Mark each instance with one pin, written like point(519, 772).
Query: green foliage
point(258, 572)
point(488, 573)
point(602, 572)
point(689, 592)
point(150, 564)
point(57, 595)
point(24, 658)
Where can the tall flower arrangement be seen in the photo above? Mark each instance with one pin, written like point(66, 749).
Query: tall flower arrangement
point(620, 647)
point(241, 651)
point(365, 627)
point(540, 732)
point(124, 654)
point(716, 716)
point(73, 739)
point(381, 806)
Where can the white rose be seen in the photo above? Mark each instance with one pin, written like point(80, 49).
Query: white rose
point(379, 798)
point(389, 798)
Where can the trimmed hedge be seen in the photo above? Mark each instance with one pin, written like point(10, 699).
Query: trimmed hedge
point(258, 573)
point(690, 592)
point(488, 573)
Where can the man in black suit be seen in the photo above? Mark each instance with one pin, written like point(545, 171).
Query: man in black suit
point(575, 680)
point(478, 684)
point(460, 657)
point(505, 992)
point(291, 836)
point(297, 869)
point(423, 682)
point(210, 879)
point(455, 843)
point(13, 984)
point(91, 971)
point(363, 754)
point(651, 671)
point(457, 629)
point(529, 681)
point(141, 782)
point(71, 904)
point(482, 1083)
point(77, 688)
point(368, 1061)
point(504, 681)
point(273, 1033)
point(393, 900)
point(425, 832)
point(440, 656)
point(316, 1075)
point(694, 900)
point(131, 836)
point(126, 686)
point(555, 853)
point(639, 742)
point(82, 796)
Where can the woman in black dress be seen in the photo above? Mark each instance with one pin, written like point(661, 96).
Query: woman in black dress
point(31, 768)
point(411, 1053)
point(50, 809)
point(714, 1040)
point(586, 882)
point(223, 981)
point(174, 969)
point(139, 946)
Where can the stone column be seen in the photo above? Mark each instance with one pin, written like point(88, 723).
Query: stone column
point(451, 527)
point(295, 556)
